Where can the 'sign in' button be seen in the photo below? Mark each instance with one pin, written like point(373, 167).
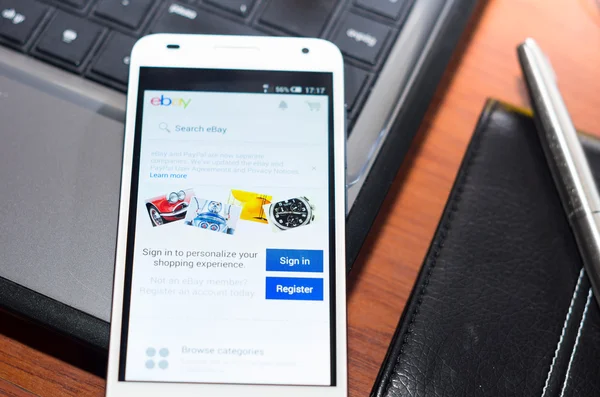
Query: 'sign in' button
point(292, 260)
point(290, 288)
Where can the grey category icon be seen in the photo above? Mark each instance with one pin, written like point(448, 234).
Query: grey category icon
point(150, 358)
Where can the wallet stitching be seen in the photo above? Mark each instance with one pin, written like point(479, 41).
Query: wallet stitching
point(564, 329)
point(443, 233)
point(579, 331)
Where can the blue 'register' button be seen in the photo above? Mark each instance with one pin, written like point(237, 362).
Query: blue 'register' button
point(290, 288)
point(288, 260)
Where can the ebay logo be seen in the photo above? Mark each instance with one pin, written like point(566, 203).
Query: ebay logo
point(166, 101)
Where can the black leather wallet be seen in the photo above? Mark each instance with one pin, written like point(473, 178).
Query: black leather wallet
point(502, 306)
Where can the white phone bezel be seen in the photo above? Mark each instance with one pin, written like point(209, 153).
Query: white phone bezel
point(232, 52)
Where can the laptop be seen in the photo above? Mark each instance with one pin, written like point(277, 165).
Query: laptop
point(63, 76)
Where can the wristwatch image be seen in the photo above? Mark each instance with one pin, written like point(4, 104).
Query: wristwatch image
point(291, 213)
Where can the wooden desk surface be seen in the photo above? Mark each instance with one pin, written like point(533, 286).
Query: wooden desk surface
point(486, 66)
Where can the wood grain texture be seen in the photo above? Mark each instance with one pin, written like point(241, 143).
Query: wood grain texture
point(569, 32)
point(11, 390)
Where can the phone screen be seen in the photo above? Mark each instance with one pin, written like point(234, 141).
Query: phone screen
point(230, 251)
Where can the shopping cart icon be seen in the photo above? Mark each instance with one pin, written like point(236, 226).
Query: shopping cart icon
point(314, 106)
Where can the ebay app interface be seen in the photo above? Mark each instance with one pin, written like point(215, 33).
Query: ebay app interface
point(230, 273)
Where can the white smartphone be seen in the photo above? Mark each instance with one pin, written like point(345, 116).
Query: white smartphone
point(230, 263)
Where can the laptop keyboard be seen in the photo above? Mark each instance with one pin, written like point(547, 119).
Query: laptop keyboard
point(93, 38)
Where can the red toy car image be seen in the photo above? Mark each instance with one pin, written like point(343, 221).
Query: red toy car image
point(170, 207)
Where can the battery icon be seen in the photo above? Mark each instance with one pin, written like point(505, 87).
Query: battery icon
point(296, 89)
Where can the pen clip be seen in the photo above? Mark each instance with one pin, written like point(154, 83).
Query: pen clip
point(541, 56)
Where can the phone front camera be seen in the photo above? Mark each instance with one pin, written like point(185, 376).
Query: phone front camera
point(305, 50)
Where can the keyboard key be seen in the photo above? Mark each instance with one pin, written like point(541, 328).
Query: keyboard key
point(354, 79)
point(240, 7)
point(18, 19)
point(129, 13)
point(300, 17)
point(69, 38)
point(387, 8)
point(179, 18)
point(76, 3)
point(361, 38)
point(113, 60)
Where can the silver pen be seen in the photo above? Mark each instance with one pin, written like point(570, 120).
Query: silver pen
point(566, 159)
